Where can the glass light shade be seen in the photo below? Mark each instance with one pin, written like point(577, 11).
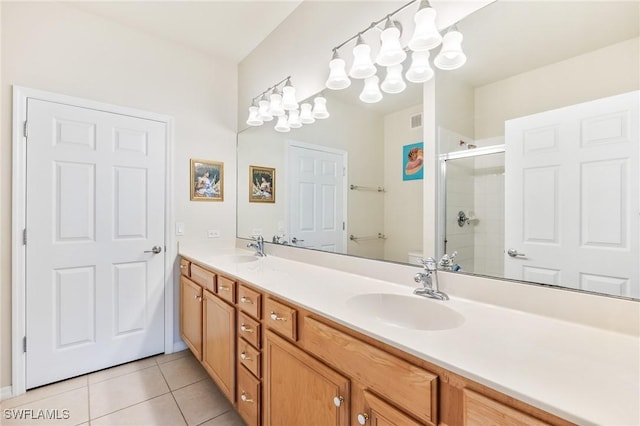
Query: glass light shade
point(338, 78)
point(275, 104)
point(263, 110)
point(420, 70)
point(393, 82)
point(451, 55)
point(426, 35)
point(391, 52)
point(371, 92)
point(362, 66)
point(306, 117)
point(289, 97)
point(294, 119)
point(282, 125)
point(320, 107)
point(254, 119)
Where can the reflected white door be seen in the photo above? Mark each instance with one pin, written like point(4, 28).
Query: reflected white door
point(95, 208)
point(571, 189)
point(317, 181)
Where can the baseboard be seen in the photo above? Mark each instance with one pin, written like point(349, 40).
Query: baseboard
point(6, 392)
point(179, 346)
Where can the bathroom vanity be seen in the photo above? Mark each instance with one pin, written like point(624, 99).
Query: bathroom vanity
point(294, 343)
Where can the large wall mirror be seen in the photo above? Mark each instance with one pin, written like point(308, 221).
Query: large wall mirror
point(528, 64)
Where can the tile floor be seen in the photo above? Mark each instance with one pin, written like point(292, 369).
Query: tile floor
point(167, 390)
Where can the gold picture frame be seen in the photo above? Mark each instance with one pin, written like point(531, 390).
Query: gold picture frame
point(207, 180)
point(262, 184)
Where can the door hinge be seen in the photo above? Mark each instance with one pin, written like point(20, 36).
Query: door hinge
point(343, 226)
point(24, 344)
point(344, 171)
point(26, 129)
point(24, 237)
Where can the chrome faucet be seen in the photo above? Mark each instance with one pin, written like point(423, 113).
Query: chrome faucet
point(258, 245)
point(429, 280)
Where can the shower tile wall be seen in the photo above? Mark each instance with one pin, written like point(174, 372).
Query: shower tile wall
point(460, 196)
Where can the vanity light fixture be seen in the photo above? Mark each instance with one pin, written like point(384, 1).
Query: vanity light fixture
point(289, 96)
point(282, 125)
point(294, 119)
point(391, 54)
point(306, 116)
point(275, 103)
point(254, 118)
point(451, 56)
point(320, 107)
point(263, 110)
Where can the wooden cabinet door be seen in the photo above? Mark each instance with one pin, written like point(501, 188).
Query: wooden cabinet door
point(218, 352)
point(191, 315)
point(299, 390)
point(380, 413)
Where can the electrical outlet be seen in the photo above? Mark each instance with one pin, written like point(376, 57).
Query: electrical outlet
point(179, 228)
point(213, 233)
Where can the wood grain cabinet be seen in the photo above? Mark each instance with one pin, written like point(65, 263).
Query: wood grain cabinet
point(218, 352)
point(191, 315)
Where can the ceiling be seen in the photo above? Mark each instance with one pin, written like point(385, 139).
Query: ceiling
point(226, 29)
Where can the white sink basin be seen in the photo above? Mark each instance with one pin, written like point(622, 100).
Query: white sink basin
point(241, 258)
point(413, 312)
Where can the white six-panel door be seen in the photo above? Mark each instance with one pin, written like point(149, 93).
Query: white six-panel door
point(316, 197)
point(572, 185)
point(95, 209)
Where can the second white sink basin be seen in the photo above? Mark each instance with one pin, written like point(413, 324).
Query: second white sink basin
point(413, 312)
point(241, 258)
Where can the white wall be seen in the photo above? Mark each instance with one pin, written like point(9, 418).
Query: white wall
point(402, 199)
point(604, 72)
point(55, 47)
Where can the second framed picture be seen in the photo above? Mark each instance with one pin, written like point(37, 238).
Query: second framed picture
point(262, 184)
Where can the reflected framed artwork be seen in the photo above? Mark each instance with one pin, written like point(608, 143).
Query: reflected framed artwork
point(207, 180)
point(262, 184)
point(412, 161)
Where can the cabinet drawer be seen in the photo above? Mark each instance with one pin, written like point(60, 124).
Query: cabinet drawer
point(250, 301)
point(248, 397)
point(480, 410)
point(226, 289)
point(206, 279)
point(374, 368)
point(185, 267)
point(250, 357)
point(281, 318)
point(249, 329)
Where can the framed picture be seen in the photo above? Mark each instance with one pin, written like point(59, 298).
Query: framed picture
point(207, 180)
point(412, 161)
point(262, 184)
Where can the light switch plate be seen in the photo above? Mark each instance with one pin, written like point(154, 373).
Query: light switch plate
point(179, 228)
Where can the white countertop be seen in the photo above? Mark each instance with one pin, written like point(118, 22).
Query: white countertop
point(583, 374)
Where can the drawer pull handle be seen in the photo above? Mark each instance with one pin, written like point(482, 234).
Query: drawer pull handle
point(198, 298)
point(246, 398)
point(275, 317)
point(244, 356)
point(362, 418)
point(246, 329)
point(338, 400)
point(246, 300)
point(223, 288)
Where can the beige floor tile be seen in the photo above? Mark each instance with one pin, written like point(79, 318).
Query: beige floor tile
point(124, 391)
point(67, 408)
point(121, 370)
point(182, 372)
point(201, 401)
point(45, 392)
point(230, 418)
point(158, 411)
point(161, 359)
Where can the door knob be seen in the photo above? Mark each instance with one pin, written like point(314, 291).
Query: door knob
point(294, 240)
point(154, 250)
point(514, 253)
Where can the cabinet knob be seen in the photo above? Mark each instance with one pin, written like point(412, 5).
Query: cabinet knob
point(246, 329)
point(198, 298)
point(246, 398)
point(244, 356)
point(244, 299)
point(362, 418)
point(183, 266)
point(223, 288)
point(275, 317)
point(338, 400)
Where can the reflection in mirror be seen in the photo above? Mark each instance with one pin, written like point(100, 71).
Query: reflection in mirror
point(563, 101)
point(327, 176)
